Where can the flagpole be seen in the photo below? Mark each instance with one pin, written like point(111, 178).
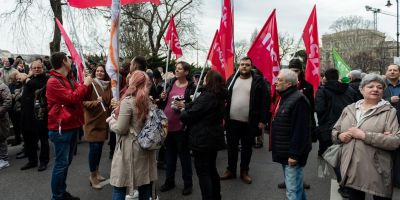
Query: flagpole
point(166, 66)
point(198, 83)
point(296, 47)
point(81, 54)
point(230, 84)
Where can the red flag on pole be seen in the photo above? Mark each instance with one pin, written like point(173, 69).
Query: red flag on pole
point(215, 55)
point(311, 42)
point(107, 3)
point(74, 53)
point(264, 52)
point(226, 37)
point(172, 39)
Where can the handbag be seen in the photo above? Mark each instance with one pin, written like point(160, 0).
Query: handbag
point(332, 155)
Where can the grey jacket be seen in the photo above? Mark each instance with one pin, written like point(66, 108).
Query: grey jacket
point(5, 105)
point(366, 165)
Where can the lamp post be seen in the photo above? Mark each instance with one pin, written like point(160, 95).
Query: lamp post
point(397, 24)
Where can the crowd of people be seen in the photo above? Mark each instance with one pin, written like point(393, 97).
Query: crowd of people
point(43, 101)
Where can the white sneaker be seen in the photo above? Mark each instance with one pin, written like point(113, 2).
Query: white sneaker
point(4, 164)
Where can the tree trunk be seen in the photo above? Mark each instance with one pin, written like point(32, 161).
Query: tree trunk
point(56, 8)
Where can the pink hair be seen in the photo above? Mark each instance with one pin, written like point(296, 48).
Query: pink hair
point(139, 85)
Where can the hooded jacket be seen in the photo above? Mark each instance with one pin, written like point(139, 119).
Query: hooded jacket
point(65, 104)
point(366, 165)
point(330, 101)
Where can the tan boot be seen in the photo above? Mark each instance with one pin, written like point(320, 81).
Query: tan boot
point(228, 175)
point(99, 177)
point(94, 182)
point(244, 175)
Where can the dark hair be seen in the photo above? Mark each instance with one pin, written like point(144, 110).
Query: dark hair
point(332, 74)
point(215, 84)
point(157, 74)
point(106, 77)
point(185, 65)
point(11, 61)
point(57, 59)
point(141, 62)
point(247, 58)
point(38, 58)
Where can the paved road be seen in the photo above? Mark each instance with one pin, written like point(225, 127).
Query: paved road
point(34, 185)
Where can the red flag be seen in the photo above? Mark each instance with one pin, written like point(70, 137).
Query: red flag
point(264, 52)
point(172, 39)
point(74, 53)
point(107, 3)
point(226, 36)
point(215, 55)
point(310, 38)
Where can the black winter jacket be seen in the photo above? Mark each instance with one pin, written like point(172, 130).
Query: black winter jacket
point(260, 100)
point(204, 120)
point(330, 100)
point(355, 84)
point(291, 128)
point(28, 102)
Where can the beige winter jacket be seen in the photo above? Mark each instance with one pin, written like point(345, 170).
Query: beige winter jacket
point(366, 165)
point(131, 166)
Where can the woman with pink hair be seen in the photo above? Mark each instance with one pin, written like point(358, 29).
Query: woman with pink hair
point(131, 166)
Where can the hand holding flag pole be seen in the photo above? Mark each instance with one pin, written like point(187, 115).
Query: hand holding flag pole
point(198, 84)
point(166, 67)
point(82, 57)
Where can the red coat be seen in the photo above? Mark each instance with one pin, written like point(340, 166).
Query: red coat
point(65, 107)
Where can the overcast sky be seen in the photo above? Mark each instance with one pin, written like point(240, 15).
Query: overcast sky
point(249, 15)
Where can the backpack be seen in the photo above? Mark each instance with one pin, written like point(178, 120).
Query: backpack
point(40, 103)
point(40, 108)
point(154, 131)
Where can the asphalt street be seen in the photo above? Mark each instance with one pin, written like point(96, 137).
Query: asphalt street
point(33, 185)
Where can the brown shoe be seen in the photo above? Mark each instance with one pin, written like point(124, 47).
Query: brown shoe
point(244, 175)
point(228, 175)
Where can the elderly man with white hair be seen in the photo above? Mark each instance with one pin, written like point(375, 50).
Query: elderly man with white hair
point(355, 80)
point(291, 133)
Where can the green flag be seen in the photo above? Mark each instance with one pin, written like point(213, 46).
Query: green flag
point(340, 65)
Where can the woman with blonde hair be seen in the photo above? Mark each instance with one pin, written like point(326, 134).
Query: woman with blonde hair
point(132, 167)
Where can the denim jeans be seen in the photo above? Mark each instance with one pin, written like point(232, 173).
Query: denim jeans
point(294, 182)
point(145, 191)
point(64, 145)
point(176, 144)
point(95, 150)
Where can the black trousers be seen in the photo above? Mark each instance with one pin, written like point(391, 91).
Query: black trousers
point(31, 138)
point(360, 195)
point(206, 169)
point(176, 145)
point(239, 131)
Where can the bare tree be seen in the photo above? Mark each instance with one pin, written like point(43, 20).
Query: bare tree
point(27, 11)
point(155, 20)
point(286, 44)
point(241, 48)
point(350, 23)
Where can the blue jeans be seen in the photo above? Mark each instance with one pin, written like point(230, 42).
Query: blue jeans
point(145, 191)
point(294, 182)
point(64, 145)
point(95, 150)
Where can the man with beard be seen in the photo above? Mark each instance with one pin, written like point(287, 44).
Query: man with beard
point(246, 115)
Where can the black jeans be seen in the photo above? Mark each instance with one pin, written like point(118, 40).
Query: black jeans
point(112, 141)
point(176, 144)
point(206, 169)
point(360, 195)
point(239, 131)
point(31, 138)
